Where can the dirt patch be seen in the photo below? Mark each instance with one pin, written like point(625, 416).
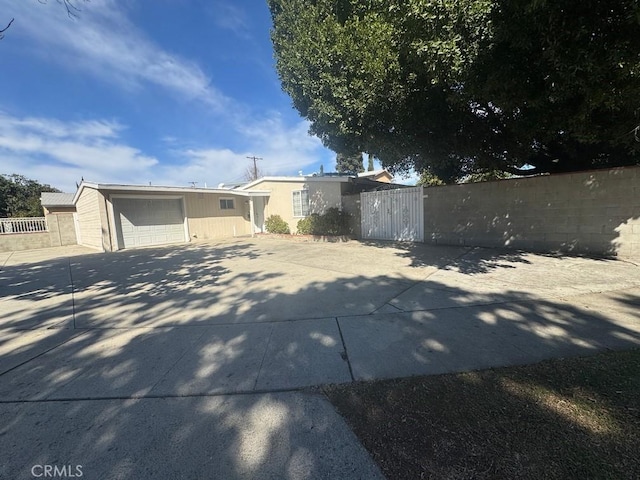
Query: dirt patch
point(565, 419)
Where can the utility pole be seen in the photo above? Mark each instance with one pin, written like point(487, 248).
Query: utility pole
point(255, 166)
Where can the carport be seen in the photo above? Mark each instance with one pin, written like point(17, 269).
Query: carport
point(114, 217)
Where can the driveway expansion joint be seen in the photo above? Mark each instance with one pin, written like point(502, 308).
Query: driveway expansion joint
point(186, 351)
point(264, 355)
point(73, 301)
point(346, 352)
point(304, 390)
point(44, 352)
point(6, 261)
point(418, 282)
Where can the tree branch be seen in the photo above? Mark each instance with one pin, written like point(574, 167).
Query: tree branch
point(68, 4)
point(5, 29)
point(71, 8)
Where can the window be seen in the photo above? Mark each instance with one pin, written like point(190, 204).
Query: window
point(300, 203)
point(227, 204)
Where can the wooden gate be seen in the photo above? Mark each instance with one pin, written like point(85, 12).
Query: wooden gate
point(393, 215)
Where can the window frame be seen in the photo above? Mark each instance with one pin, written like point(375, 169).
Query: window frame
point(304, 209)
point(227, 199)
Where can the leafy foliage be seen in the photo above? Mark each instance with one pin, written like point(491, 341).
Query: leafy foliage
point(349, 163)
point(20, 196)
point(332, 222)
point(370, 167)
point(486, 176)
point(307, 225)
point(428, 179)
point(460, 86)
point(275, 224)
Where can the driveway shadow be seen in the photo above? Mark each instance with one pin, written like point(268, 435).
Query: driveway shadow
point(136, 402)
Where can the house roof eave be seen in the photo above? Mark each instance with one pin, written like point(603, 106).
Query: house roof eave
point(109, 187)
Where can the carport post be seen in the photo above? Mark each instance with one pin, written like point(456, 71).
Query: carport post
point(252, 217)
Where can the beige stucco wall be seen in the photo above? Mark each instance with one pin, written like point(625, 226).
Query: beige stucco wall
point(92, 219)
point(596, 212)
point(207, 220)
point(322, 195)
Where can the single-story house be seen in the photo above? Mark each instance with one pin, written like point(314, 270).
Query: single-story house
point(111, 217)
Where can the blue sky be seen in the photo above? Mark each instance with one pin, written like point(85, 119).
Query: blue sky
point(168, 92)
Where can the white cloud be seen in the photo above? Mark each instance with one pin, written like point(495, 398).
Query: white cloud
point(60, 153)
point(104, 43)
point(230, 17)
point(284, 151)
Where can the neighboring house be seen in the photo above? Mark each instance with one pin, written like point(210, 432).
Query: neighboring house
point(381, 175)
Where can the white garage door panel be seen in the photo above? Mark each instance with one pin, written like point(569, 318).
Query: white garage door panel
point(143, 222)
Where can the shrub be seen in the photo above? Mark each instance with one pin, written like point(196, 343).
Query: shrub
point(308, 225)
point(332, 222)
point(275, 224)
point(335, 222)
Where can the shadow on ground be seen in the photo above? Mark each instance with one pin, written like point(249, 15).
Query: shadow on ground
point(140, 402)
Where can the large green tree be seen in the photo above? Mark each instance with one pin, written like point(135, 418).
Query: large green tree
point(20, 196)
point(349, 163)
point(459, 86)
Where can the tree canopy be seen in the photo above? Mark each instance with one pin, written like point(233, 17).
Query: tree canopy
point(459, 86)
point(20, 196)
point(349, 163)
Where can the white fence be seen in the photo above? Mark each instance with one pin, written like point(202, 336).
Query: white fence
point(393, 215)
point(22, 225)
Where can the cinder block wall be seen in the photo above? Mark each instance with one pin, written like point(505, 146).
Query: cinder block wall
point(24, 241)
point(61, 231)
point(595, 212)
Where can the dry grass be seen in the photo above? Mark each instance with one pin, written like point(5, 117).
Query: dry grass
point(566, 419)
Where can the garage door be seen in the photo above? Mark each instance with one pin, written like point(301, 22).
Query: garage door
point(143, 222)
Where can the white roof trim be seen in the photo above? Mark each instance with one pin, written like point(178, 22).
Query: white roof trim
point(301, 178)
point(165, 189)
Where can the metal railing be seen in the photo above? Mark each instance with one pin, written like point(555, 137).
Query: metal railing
point(22, 225)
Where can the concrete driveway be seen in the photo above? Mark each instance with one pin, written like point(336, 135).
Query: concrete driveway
point(170, 362)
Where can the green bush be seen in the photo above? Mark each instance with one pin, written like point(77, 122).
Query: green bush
point(275, 224)
point(335, 222)
point(332, 222)
point(308, 225)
